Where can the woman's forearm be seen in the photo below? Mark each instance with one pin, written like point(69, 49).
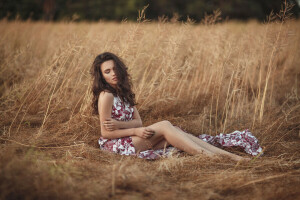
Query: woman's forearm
point(118, 133)
point(135, 123)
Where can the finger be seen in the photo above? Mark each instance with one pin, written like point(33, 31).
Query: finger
point(145, 134)
point(149, 133)
point(111, 126)
point(108, 128)
point(150, 130)
point(106, 125)
point(149, 136)
point(111, 129)
point(107, 122)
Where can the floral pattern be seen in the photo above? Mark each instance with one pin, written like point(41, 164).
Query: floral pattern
point(124, 146)
point(243, 139)
point(120, 111)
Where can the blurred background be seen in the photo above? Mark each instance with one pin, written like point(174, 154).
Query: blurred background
point(117, 10)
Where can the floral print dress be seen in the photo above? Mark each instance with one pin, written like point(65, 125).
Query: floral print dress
point(124, 146)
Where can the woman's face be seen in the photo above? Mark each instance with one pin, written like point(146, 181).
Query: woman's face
point(108, 72)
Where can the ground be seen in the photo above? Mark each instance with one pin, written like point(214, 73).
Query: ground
point(206, 78)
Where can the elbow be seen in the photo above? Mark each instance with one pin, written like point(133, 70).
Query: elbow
point(105, 135)
point(140, 123)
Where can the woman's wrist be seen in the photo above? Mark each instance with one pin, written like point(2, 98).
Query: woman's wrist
point(119, 124)
point(134, 131)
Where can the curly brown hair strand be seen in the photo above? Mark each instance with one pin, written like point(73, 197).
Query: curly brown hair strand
point(124, 85)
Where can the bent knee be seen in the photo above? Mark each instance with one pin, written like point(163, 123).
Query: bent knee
point(165, 123)
point(159, 127)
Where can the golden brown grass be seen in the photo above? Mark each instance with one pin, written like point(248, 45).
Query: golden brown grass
point(205, 78)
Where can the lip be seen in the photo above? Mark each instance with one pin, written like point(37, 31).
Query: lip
point(115, 79)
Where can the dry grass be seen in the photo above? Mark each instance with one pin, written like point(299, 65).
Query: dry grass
point(205, 78)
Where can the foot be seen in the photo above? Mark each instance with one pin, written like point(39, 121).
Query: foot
point(240, 158)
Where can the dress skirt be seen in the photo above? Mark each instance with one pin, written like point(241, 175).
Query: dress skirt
point(243, 139)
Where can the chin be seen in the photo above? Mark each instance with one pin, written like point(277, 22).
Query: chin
point(114, 85)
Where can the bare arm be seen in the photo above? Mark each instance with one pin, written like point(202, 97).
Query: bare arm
point(134, 123)
point(104, 106)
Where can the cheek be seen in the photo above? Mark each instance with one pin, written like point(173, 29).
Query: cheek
point(106, 77)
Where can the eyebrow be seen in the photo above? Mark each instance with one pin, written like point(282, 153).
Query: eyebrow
point(110, 68)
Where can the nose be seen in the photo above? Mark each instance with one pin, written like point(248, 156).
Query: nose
point(113, 73)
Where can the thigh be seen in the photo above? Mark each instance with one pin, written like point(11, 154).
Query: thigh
point(141, 144)
point(161, 145)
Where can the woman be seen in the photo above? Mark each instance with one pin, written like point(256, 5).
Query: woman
point(121, 125)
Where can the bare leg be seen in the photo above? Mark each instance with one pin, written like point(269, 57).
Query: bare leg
point(210, 147)
point(141, 144)
point(173, 136)
point(161, 145)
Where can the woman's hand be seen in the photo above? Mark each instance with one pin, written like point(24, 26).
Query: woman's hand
point(144, 132)
point(111, 124)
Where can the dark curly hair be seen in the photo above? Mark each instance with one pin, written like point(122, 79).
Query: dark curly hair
point(123, 89)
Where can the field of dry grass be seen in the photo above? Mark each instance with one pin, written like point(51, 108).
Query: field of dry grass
point(205, 78)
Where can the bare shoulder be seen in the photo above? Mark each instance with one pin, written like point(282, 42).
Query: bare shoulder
point(106, 97)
